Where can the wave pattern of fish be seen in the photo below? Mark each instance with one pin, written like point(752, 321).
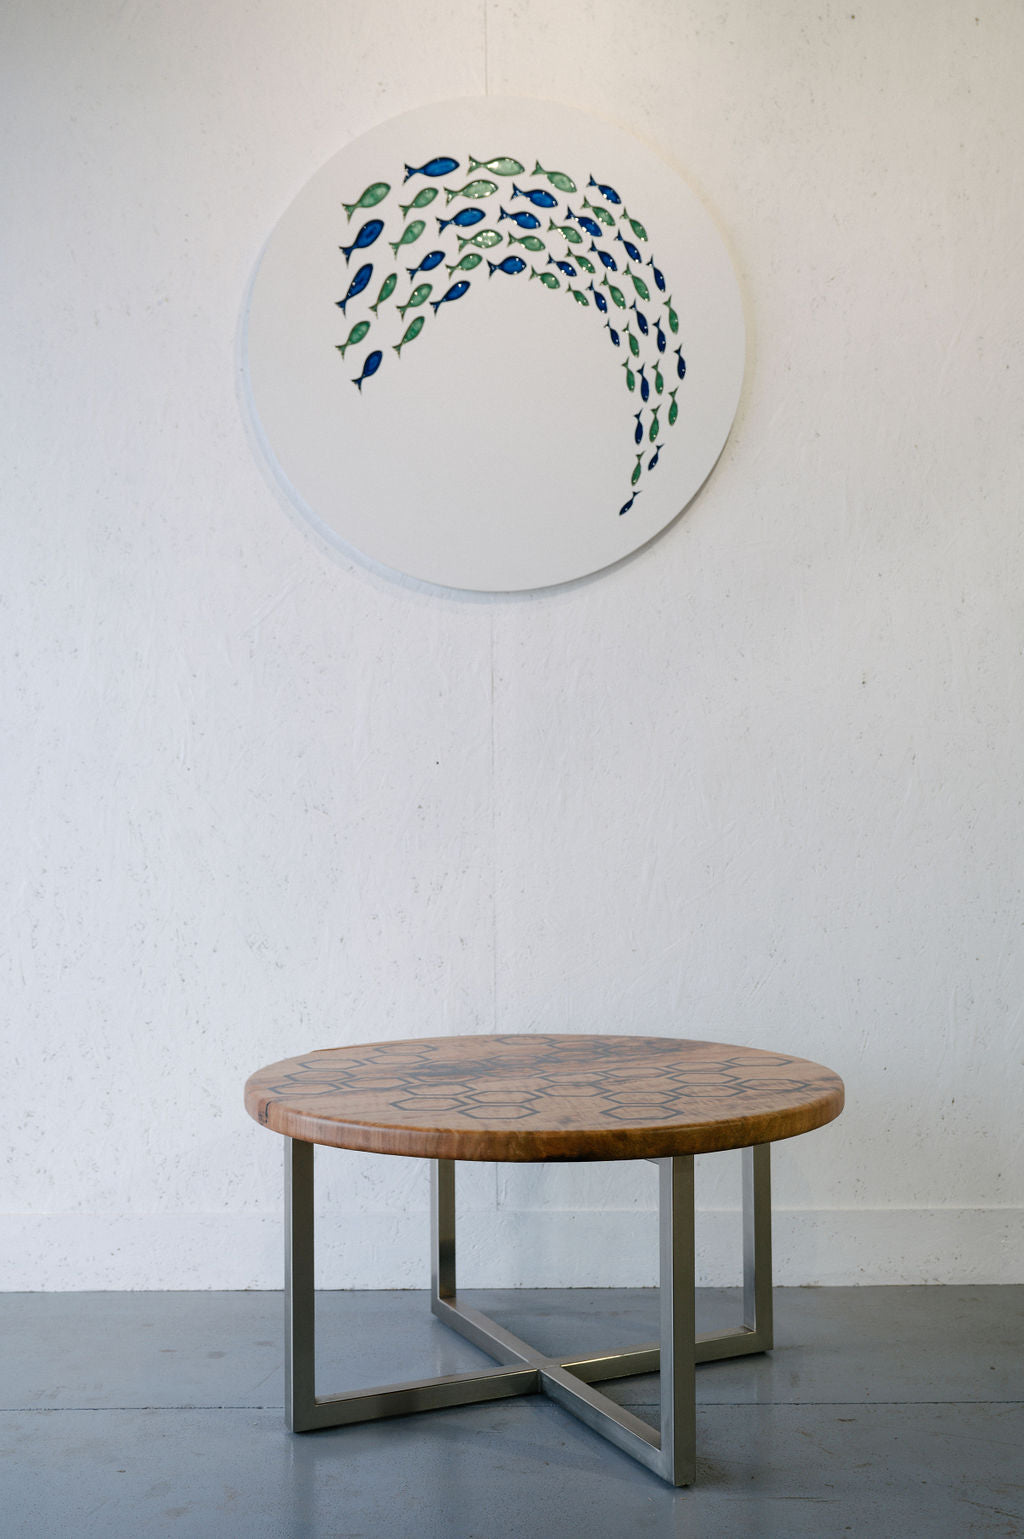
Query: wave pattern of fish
point(591, 250)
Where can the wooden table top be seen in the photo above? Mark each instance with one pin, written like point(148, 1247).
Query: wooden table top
point(542, 1097)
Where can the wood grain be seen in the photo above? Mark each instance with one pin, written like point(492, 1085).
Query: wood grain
point(543, 1097)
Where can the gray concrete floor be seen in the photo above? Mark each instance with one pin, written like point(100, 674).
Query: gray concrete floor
point(885, 1413)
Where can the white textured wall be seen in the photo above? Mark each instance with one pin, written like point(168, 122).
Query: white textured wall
point(761, 783)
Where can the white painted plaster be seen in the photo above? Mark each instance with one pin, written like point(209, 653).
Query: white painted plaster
point(761, 782)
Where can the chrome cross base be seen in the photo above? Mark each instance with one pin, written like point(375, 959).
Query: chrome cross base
point(522, 1370)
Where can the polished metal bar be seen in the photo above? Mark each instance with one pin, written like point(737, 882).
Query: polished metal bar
point(595, 1368)
point(442, 1229)
point(299, 1296)
point(416, 1395)
point(678, 1454)
point(614, 1422)
point(757, 1245)
point(485, 1333)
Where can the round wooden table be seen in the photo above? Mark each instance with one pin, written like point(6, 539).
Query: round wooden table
point(544, 1098)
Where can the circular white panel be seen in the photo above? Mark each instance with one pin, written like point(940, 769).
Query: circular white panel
point(494, 344)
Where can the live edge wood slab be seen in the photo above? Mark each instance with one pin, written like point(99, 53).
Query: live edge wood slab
point(543, 1097)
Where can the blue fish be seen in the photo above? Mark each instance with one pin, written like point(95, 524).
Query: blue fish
point(659, 276)
point(586, 223)
point(599, 299)
point(371, 366)
point(606, 257)
point(511, 265)
point(464, 218)
point(655, 457)
point(633, 252)
point(661, 337)
point(428, 264)
point(439, 166)
point(627, 505)
point(645, 385)
point(357, 285)
point(638, 436)
point(525, 221)
point(613, 333)
point(455, 292)
point(537, 196)
point(681, 365)
point(366, 237)
point(641, 319)
point(564, 267)
point(606, 192)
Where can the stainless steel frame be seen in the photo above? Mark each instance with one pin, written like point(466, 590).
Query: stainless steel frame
point(522, 1370)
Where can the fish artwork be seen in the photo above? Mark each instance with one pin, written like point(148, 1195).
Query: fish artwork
point(627, 505)
point(366, 237)
point(642, 291)
point(602, 213)
point(618, 298)
point(484, 238)
point(652, 435)
point(481, 188)
point(411, 233)
point(599, 299)
point(660, 337)
point(586, 223)
point(612, 333)
point(585, 262)
point(673, 411)
point(358, 284)
point(681, 364)
point(455, 292)
point(525, 220)
point(511, 265)
point(567, 232)
point(370, 367)
point(387, 288)
point(420, 294)
point(502, 165)
point(358, 332)
point(634, 345)
point(557, 179)
point(635, 226)
point(641, 319)
point(606, 257)
point(645, 384)
point(412, 332)
point(655, 457)
point(638, 435)
point(659, 380)
point(631, 250)
point(634, 478)
point(579, 296)
point(441, 165)
point(673, 319)
point(374, 194)
point(423, 199)
point(466, 263)
point(563, 267)
point(462, 220)
point(538, 196)
point(659, 276)
point(548, 279)
point(430, 261)
point(531, 242)
point(630, 376)
point(608, 193)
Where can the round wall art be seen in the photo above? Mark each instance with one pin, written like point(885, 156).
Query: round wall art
point(494, 344)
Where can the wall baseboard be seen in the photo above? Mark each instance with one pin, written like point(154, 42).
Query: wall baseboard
point(506, 1248)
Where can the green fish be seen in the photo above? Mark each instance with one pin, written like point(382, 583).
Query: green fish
point(485, 240)
point(387, 288)
point(616, 294)
point(635, 226)
point(602, 213)
point(584, 262)
point(673, 319)
point(467, 263)
point(634, 478)
point(531, 242)
point(634, 345)
point(581, 299)
point(630, 376)
point(421, 200)
point(411, 334)
point(548, 279)
point(572, 236)
point(357, 334)
point(652, 435)
point(409, 234)
point(503, 165)
point(481, 188)
point(419, 295)
point(673, 411)
point(643, 292)
point(659, 383)
point(372, 196)
point(556, 178)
